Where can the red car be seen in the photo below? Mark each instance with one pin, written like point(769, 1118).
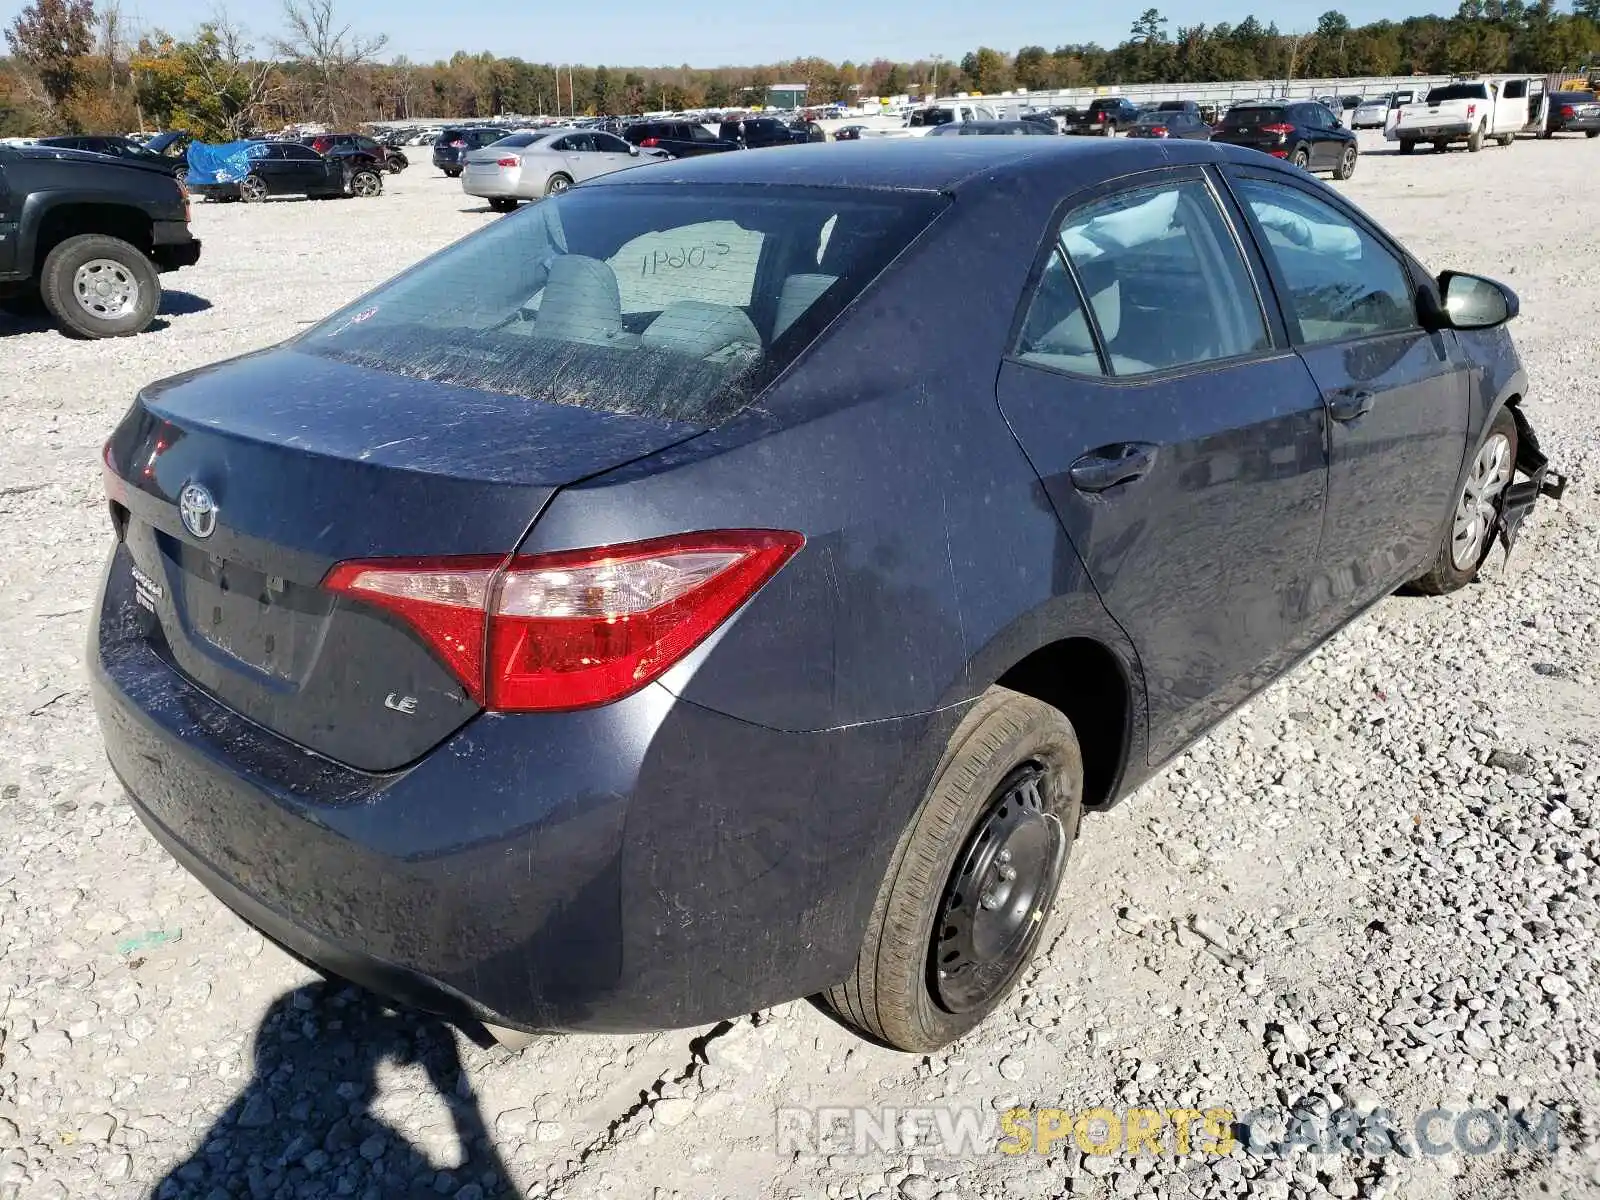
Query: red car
point(347, 143)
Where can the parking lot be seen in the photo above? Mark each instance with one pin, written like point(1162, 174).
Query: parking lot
point(1376, 886)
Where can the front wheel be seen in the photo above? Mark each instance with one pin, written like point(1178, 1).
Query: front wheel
point(1347, 163)
point(1470, 535)
point(100, 286)
point(1590, 133)
point(972, 879)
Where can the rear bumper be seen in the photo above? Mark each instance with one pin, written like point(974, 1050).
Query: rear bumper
point(1576, 125)
point(645, 865)
point(495, 186)
point(1442, 131)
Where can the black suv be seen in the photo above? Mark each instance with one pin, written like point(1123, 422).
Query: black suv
point(1104, 117)
point(756, 132)
point(451, 146)
point(681, 139)
point(1305, 133)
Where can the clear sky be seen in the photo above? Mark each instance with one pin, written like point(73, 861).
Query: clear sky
point(710, 33)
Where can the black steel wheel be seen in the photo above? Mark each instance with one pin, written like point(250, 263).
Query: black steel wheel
point(995, 902)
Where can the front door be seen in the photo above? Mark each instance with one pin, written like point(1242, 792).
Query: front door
point(1179, 439)
point(1396, 394)
point(10, 219)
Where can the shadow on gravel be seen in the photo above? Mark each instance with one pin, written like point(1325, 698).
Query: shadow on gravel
point(304, 1124)
point(181, 304)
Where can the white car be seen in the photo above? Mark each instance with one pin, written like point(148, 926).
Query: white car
point(544, 162)
point(1372, 112)
point(1472, 110)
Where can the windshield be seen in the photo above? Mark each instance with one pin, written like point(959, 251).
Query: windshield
point(675, 302)
point(1457, 91)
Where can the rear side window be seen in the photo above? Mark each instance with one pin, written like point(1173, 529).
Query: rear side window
point(1457, 91)
point(673, 302)
point(1343, 283)
point(1164, 282)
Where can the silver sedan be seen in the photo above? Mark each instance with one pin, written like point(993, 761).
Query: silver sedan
point(544, 162)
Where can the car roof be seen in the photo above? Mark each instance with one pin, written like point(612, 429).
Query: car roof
point(933, 164)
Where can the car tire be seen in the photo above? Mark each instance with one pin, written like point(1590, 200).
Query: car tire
point(366, 183)
point(76, 267)
point(1475, 140)
point(1465, 546)
point(1407, 147)
point(1440, 147)
point(503, 204)
point(253, 189)
point(1505, 139)
point(182, 176)
point(1301, 158)
point(1347, 163)
point(1006, 796)
point(557, 184)
point(451, 173)
point(1590, 133)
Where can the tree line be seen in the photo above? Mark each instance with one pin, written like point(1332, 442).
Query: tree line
point(76, 65)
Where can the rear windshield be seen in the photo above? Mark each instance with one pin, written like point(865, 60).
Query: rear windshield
point(675, 302)
point(1256, 114)
point(516, 140)
point(1456, 91)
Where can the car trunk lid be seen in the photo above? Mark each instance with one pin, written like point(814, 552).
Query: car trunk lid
point(237, 488)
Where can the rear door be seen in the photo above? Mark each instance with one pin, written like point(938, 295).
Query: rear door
point(1397, 394)
point(1179, 439)
point(10, 216)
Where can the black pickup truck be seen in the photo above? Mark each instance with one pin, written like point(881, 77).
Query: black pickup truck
point(87, 235)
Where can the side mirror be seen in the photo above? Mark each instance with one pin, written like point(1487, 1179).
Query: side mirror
point(1473, 302)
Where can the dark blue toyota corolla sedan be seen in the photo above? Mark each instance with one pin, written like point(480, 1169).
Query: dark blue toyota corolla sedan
point(731, 580)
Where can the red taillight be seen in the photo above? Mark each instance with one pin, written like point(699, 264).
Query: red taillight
point(1568, 111)
point(1280, 130)
point(457, 144)
point(508, 161)
point(1278, 153)
point(1159, 130)
point(650, 143)
point(1471, 110)
point(1100, 116)
point(575, 628)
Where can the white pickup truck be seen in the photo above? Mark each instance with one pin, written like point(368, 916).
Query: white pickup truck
point(1471, 111)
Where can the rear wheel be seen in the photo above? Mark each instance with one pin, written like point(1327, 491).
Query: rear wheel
point(1347, 163)
point(558, 184)
point(1406, 147)
point(1475, 140)
point(366, 183)
point(1589, 133)
point(182, 176)
point(970, 885)
point(1301, 158)
point(1470, 534)
point(1505, 139)
point(100, 286)
point(252, 189)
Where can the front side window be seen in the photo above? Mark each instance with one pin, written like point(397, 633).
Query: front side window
point(1163, 278)
point(663, 301)
point(1342, 282)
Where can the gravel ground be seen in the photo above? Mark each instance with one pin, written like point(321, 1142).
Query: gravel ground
point(1374, 888)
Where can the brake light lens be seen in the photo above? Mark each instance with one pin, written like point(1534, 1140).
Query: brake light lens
point(575, 629)
point(1159, 130)
point(458, 144)
point(1568, 111)
point(508, 161)
point(1472, 109)
point(1280, 130)
point(650, 143)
